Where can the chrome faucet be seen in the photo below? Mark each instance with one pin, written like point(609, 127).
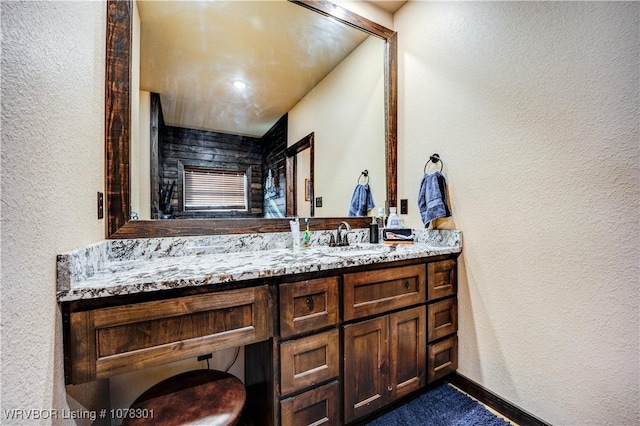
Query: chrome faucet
point(341, 240)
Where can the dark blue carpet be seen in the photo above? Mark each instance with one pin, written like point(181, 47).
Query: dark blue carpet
point(441, 406)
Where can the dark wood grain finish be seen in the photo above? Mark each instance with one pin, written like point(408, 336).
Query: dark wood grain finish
point(443, 358)
point(377, 359)
point(408, 351)
point(373, 292)
point(124, 338)
point(441, 279)
point(117, 113)
point(346, 17)
point(262, 380)
point(195, 227)
point(292, 171)
point(308, 361)
point(318, 406)
point(442, 319)
point(391, 104)
point(81, 353)
point(308, 306)
point(366, 367)
point(187, 399)
point(385, 359)
point(117, 130)
point(183, 148)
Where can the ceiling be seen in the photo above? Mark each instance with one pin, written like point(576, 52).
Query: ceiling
point(192, 52)
point(390, 6)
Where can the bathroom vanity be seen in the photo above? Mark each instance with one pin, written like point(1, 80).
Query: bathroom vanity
point(329, 333)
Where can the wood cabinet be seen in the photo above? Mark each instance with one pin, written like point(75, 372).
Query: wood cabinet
point(385, 356)
point(115, 340)
point(384, 359)
point(318, 406)
point(366, 367)
point(382, 290)
point(442, 307)
point(309, 360)
point(304, 387)
point(308, 305)
point(323, 347)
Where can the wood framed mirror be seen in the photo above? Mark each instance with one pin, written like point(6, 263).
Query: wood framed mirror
point(118, 134)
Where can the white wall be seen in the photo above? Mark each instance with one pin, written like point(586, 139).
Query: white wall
point(346, 115)
point(533, 106)
point(52, 168)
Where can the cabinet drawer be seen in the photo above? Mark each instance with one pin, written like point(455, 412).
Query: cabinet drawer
point(308, 361)
point(441, 279)
point(319, 406)
point(443, 358)
point(115, 340)
point(442, 319)
point(308, 306)
point(373, 292)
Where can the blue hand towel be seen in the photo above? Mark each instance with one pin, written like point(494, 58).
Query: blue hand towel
point(361, 201)
point(432, 198)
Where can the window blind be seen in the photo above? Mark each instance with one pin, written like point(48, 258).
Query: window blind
point(215, 190)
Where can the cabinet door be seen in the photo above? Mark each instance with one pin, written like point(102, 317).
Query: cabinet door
point(408, 351)
point(366, 364)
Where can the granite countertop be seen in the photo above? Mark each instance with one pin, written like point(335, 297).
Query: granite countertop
point(119, 267)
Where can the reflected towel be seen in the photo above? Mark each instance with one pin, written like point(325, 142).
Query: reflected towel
point(361, 201)
point(432, 198)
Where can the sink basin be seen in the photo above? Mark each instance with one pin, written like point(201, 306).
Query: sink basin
point(356, 250)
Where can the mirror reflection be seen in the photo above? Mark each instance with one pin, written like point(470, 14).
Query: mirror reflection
point(225, 88)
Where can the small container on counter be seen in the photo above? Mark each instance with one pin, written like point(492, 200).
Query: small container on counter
point(373, 231)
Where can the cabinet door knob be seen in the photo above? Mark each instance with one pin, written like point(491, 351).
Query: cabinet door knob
point(309, 302)
point(390, 388)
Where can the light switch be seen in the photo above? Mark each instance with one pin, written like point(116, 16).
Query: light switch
point(100, 205)
point(404, 206)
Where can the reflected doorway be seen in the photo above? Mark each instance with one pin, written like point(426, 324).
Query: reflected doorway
point(299, 170)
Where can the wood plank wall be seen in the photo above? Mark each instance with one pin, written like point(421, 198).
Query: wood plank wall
point(203, 148)
point(274, 144)
point(171, 145)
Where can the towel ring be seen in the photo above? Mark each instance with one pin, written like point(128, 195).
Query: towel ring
point(364, 173)
point(434, 159)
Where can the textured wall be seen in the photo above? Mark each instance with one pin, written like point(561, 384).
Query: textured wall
point(533, 106)
point(52, 167)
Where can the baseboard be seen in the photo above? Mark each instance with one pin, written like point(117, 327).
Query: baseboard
point(484, 395)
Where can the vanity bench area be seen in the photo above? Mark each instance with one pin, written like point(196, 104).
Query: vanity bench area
point(330, 334)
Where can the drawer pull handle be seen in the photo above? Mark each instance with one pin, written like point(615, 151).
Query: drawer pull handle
point(309, 302)
point(406, 285)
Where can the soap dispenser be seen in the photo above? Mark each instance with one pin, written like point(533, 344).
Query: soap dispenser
point(393, 222)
